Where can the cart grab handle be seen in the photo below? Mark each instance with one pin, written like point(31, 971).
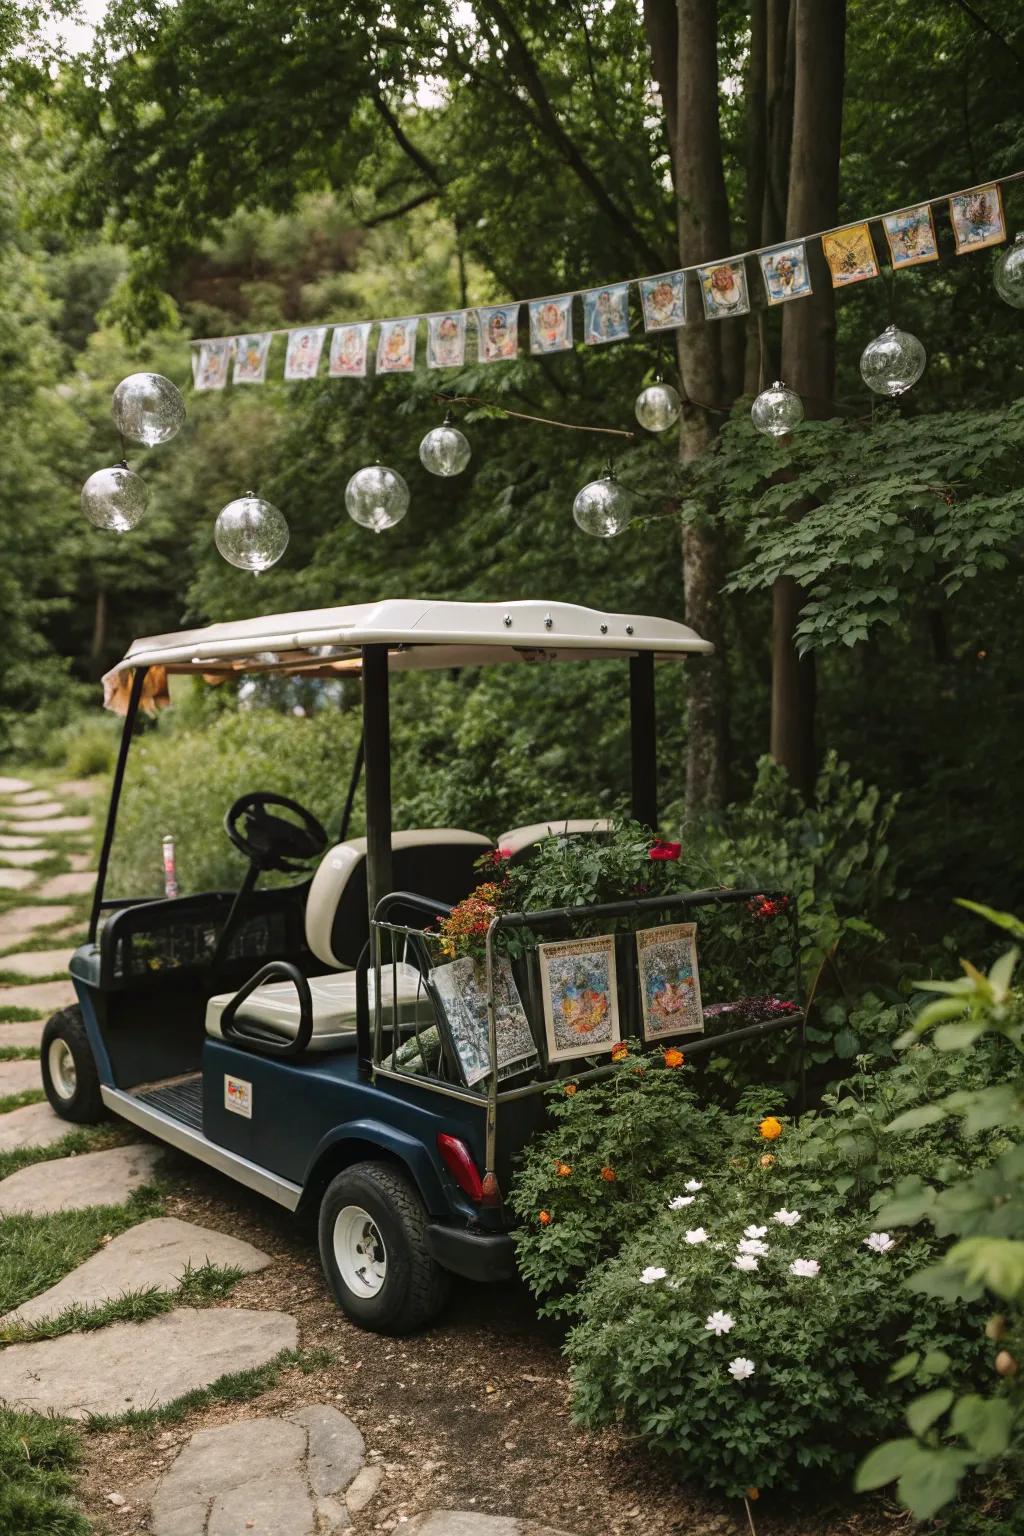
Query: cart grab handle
point(233, 1032)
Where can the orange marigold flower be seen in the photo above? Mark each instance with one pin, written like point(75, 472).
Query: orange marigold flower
point(674, 1057)
point(563, 1169)
point(770, 1128)
point(608, 1174)
point(569, 1089)
point(767, 1160)
point(620, 1051)
point(544, 1217)
point(753, 1493)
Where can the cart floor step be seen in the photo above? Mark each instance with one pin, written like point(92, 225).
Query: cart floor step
point(182, 1100)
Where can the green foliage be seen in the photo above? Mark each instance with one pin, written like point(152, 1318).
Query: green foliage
point(37, 1457)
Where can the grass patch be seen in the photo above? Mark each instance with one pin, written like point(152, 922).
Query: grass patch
point(19, 979)
point(18, 1053)
point(240, 1387)
point(19, 1015)
point(19, 1100)
point(200, 1287)
point(37, 1455)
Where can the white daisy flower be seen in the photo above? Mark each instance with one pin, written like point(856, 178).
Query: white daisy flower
point(696, 1235)
point(744, 1261)
point(786, 1218)
point(752, 1245)
point(693, 1185)
point(879, 1242)
point(808, 1268)
point(740, 1368)
point(719, 1323)
point(755, 1231)
point(652, 1273)
point(680, 1202)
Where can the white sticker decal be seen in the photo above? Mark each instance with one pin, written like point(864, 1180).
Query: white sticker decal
point(238, 1096)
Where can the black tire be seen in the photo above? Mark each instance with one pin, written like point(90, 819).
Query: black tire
point(83, 1103)
point(413, 1288)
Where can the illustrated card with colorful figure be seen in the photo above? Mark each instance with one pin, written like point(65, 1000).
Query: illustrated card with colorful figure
point(669, 981)
point(580, 992)
point(461, 987)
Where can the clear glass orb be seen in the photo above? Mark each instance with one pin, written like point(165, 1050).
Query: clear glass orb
point(657, 407)
point(777, 410)
point(251, 533)
point(445, 451)
point(377, 497)
point(603, 508)
point(114, 498)
point(892, 362)
point(147, 408)
point(1009, 273)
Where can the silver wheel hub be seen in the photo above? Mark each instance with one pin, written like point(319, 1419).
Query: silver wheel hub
point(359, 1251)
point(63, 1073)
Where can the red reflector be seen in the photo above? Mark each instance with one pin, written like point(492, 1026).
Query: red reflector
point(458, 1159)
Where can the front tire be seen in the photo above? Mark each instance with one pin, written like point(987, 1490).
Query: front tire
point(70, 1079)
point(372, 1249)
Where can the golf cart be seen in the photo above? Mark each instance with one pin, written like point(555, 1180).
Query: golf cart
point(296, 1036)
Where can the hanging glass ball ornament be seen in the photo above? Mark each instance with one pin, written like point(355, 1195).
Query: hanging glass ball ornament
point(657, 406)
point(115, 498)
point(251, 533)
point(892, 362)
point(445, 451)
point(604, 507)
point(147, 408)
point(1008, 275)
point(377, 497)
point(777, 410)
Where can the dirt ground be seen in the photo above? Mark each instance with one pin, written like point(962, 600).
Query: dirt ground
point(473, 1414)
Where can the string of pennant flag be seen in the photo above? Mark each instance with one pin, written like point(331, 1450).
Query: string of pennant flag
point(976, 216)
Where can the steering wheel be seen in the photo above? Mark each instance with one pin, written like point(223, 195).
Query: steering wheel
point(272, 842)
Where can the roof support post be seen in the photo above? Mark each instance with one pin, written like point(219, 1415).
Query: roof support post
point(643, 740)
point(138, 678)
point(377, 772)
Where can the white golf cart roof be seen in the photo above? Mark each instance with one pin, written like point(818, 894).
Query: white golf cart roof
point(327, 642)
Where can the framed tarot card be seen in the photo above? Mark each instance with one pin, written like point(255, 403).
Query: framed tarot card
point(669, 981)
point(911, 236)
point(580, 991)
point(724, 287)
point(461, 987)
point(977, 218)
point(850, 254)
point(784, 269)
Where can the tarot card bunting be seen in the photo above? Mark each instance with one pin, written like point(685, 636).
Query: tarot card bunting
point(850, 254)
point(251, 353)
point(581, 1010)
point(348, 354)
point(210, 364)
point(462, 989)
point(396, 345)
point(911, 236)
point(669, 980)
point(785, 273)
point(497, 327)
point(724, 287)
point(664, 301)
point(606, 314)
point(551, 324)
point(446, 340)
point(302, 358)
point(977, 218)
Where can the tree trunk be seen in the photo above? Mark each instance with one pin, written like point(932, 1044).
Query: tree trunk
point(808, 338)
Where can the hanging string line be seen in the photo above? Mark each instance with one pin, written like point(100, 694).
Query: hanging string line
point(569, 293)
point(545, 421)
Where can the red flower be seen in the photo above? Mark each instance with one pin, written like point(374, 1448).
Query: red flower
point(662, 850)
point(764, 907)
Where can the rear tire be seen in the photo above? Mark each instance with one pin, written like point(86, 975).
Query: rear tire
point(70, 1079)
point(372, 1248)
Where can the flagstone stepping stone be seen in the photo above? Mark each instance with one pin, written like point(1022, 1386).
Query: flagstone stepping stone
point(33, 797)
point(37, 963)
point(16, 924)
point(82, 789)
point(75, 1183)
point(28, 1033)
point(72, 884)
point(18, 1077)
point(53, 823)
point(41, 996)
point(42, 811)
point(34, 1126)
point(10, 786)
point(155, 1253)
point(17, 879)
point(23, 858)
point(80, 861)
point(15, 840)
point(141, 1365)
point(262, 1477)
point(454, 1522)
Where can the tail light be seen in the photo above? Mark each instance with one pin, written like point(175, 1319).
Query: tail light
point(458, 1159)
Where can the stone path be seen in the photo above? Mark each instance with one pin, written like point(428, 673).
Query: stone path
point(17, 840)
point(155, 1255)
point(13, 786)
point(18, 1077)
point(26, 1036)
point(75, 1183)
point(15, 879)
point(34, 1126)
point(41, 996)
point(37, 964)
point(58, 887)
point(48, 824)
point(139, 1365)
point(24, 858)
point(48, 809)
point(22, 921)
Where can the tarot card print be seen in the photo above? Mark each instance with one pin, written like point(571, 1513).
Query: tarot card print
point(446, 340)
point(785, 272)
point(664, 301)
point(551, 324)
point(302, 358)
point(669, 980)
point(850, 255)
point(461, 987)
point(911, 236)
point(348, 354)
point(251, 353)
point(724, 287)
point(977, 218)
point(497, 328)
point(606, 314)
point(210, 364)
point(396, 346)
point(581, 1010)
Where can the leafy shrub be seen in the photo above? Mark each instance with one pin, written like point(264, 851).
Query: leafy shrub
point(90, 747)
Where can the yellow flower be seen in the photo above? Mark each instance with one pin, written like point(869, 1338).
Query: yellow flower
point(544, 1217)
point(674, 1057)
point(770, 1128)
point(563, 1170)
point(620, 1051)
point(608, 1174)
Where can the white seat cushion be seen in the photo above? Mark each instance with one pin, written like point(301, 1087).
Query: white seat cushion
point(276, 1005)
point(518, 838)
